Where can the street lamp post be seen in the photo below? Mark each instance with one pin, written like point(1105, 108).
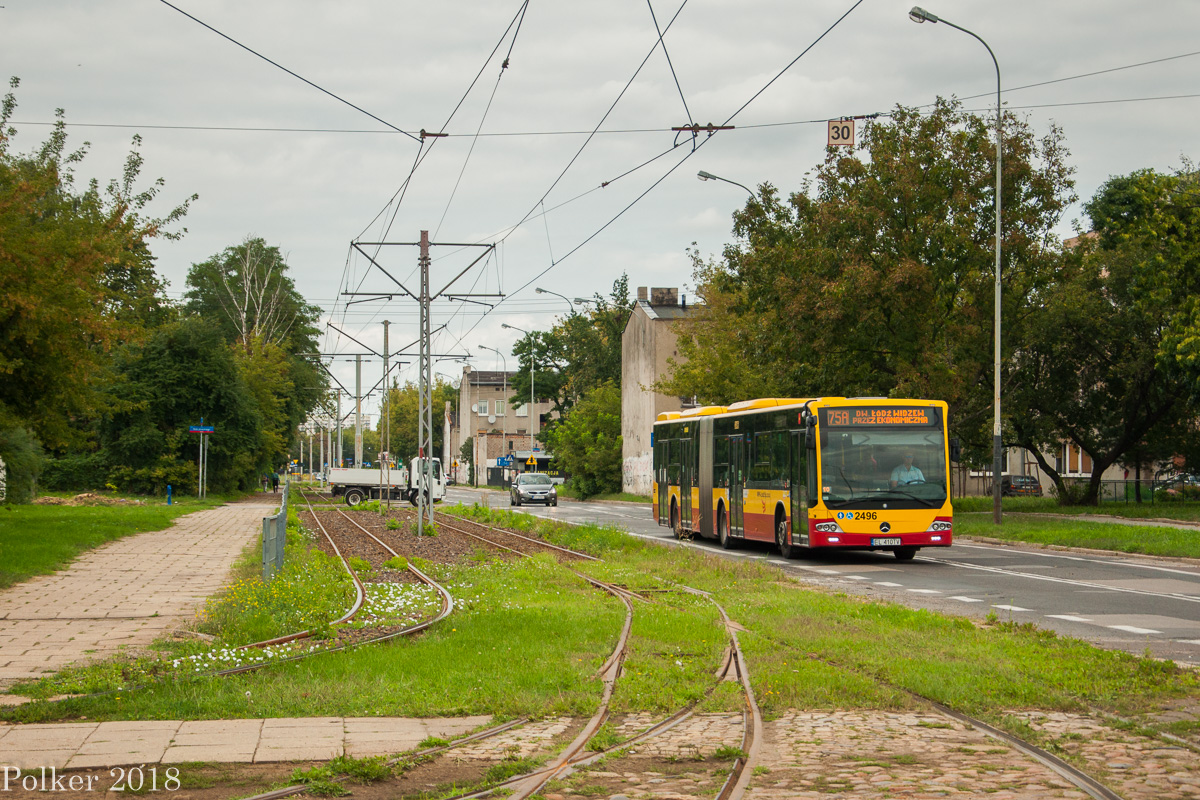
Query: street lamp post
point(503, 447)
point(708, 176)
point(918, 14)
point(540, 290)
point(532, 414)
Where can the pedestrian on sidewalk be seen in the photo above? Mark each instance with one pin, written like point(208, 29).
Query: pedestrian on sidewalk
point(274, 482)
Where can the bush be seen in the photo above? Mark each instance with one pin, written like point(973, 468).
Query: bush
point(21, 455)
point(75, 472)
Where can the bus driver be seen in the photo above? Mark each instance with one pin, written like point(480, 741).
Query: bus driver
point(907, 473)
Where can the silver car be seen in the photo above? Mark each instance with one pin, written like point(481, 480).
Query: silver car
point(533, 487)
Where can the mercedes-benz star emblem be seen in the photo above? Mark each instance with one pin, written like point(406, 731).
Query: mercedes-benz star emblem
point(884, 527)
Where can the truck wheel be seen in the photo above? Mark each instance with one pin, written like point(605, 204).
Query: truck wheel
point(354, 497)
point(412, 496)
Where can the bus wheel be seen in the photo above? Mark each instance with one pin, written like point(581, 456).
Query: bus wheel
point(723, 530)
point(354, 497)
point(905, 553)
point(786, 548)
point(675, 521)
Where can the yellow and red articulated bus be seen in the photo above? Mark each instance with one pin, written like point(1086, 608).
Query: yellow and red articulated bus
point(853, 473)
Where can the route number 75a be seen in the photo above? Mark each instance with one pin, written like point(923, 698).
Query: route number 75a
point(841, 132)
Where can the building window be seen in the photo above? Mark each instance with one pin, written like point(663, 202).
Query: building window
point(498, 407)
point(523, 411)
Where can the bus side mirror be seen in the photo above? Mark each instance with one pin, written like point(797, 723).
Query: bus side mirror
point(810, 433)
point(955, 450)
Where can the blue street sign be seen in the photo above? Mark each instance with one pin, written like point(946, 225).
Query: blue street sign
point(504, 461)
point(201, 429)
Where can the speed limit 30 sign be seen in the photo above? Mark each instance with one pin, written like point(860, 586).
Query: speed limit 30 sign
point(841, 132)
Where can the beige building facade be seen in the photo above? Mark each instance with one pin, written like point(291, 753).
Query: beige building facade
point(646, 345)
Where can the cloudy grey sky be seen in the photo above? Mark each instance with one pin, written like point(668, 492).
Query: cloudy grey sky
point(121, 67)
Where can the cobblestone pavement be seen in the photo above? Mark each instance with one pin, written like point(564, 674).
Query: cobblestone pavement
point(123, 594)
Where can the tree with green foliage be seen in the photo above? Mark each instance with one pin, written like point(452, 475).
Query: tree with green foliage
point(577, 355)
point(246, 293)
point(403, 402)
point(587, 442)
point(76, 280)
point(1110, 360)
point(183, 373)
point(876, 277)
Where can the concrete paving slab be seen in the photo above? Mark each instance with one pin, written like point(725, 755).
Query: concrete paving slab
point(312, 753)
point(209, 753)
point(32, 738)
point(26, 760)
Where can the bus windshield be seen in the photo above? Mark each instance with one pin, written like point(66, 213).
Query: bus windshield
point(904, 467)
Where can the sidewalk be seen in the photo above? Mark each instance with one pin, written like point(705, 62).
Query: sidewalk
point(78, 745)
point(123, 594)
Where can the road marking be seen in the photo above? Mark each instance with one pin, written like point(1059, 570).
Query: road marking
point(825, 571)
point(1009, 608)
point(1068, 617)
point(962, 599)
point(1131, 629)
point(856, 578)
point(885, 583)
point(1188, 641)
point(925, 591)
point(779, 561)
point(1065, 581)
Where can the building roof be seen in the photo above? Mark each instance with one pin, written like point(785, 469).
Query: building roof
point(478, 377)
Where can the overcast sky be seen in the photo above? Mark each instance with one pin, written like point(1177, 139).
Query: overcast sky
point(121, 67)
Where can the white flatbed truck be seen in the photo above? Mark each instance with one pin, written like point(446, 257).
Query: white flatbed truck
point(357, 484)
point(398, 483)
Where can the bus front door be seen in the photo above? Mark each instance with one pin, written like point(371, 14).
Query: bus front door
point(737, 483)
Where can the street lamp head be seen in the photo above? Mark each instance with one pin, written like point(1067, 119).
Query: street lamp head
point(918, 14)
point(539, 290)
point(705, 176)
point(505, 325)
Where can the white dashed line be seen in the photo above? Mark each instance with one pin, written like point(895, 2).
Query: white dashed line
point(1188, 641)
point(962, 599)
point(1068, 617)
point(1131, 629)
point(827, 571)
point(777, 561)
point(885, 583)
point(925, 591)
point(855, 578)
point(1010, 608)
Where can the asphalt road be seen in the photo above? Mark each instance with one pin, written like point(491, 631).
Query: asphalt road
point(1131, 603)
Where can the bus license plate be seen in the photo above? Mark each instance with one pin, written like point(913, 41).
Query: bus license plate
point(890, 541)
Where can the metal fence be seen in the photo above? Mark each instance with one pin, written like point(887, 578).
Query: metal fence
point(274, 537)
point(1161, 491)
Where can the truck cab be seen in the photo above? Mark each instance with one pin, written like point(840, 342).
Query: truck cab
point(417, 471)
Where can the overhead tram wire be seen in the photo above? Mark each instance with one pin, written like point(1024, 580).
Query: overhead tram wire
point(397, 198)
point(517, 20)
point(592, 135)
point(680, 163)
point(276, 64)
point(659, 30)
point(483, 118)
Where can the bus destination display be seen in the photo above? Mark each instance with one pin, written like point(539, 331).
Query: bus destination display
point(898, 416)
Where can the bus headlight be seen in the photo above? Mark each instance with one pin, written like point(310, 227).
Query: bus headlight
point(827, 527)
point(939, 526)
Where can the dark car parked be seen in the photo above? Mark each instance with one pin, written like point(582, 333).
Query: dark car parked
point(1026, 485)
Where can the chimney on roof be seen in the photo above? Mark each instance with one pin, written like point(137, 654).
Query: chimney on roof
point(664, 297)
point(642, 293)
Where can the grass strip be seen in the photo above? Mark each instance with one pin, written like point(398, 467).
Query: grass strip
point(41, 539)
point(1182, 510)
point(529, 637)
point(1066, 532)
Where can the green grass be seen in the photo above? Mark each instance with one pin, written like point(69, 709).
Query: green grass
point(1068, 532)
point(528, 638)
point(1186, 511)
point(40, 539)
